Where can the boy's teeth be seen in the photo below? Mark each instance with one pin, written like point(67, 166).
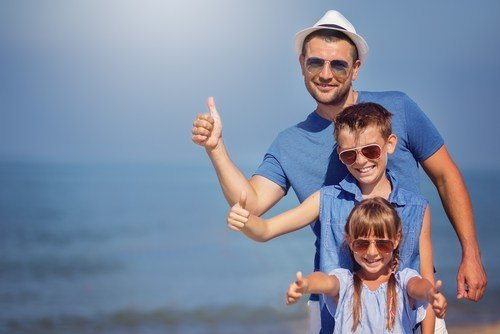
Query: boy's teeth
point(366, 169)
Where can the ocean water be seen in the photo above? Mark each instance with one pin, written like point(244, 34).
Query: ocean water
point(145, 249)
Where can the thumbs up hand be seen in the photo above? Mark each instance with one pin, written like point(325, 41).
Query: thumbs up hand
point(437, 300)
point(297, 289)
point(207, 128)
point(238, 215)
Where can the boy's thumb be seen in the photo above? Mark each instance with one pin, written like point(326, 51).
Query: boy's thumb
point(243, 199)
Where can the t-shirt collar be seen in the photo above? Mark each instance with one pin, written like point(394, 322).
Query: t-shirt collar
point(350, 185)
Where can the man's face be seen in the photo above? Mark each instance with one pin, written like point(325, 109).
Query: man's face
point(324, 86)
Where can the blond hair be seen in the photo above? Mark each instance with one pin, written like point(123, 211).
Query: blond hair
point(375, 217)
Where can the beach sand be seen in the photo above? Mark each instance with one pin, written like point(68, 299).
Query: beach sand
point(476, 329)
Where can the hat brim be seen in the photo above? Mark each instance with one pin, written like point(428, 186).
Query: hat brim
point(359, 41)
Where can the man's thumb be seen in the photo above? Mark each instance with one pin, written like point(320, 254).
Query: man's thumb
point(212, 108)
point(298, 278)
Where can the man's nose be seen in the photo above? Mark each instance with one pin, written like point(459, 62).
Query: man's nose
point(326, 71)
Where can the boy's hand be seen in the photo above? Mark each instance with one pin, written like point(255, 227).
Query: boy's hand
point(207, 128)
point(296, 290)
point(437, 300)
point(238, 215)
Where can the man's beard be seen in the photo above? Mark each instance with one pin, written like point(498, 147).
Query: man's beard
point(337, 100)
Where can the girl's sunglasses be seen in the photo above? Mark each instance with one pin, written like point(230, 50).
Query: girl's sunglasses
point(371, 151)
point(361, 246)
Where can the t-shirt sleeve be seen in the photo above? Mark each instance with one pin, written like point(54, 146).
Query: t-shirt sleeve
point(271, 167)
point(345, 281)
point(417, 312)
point(423, 137)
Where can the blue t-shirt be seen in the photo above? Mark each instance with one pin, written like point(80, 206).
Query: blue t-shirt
point(374, 305)
point(304, 156)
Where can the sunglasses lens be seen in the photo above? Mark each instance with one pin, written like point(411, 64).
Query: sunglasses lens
point(348, 157)
point(360, 246)
point(339, 69)
point(314, 65)
point(385, 246)
point(371, 152)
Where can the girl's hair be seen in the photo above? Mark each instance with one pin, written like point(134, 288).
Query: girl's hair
point(375, 217)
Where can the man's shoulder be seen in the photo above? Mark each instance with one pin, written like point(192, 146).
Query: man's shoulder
point(391, 100)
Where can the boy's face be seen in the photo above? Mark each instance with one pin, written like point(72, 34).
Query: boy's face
point(367, 171)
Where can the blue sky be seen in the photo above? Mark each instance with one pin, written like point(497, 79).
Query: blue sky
point(122, 81)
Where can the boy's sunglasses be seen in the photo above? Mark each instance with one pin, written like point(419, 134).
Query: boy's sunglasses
point(340, 68)
point(371, 151)
point(361, 246)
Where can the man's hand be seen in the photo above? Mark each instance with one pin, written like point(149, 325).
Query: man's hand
point(471, 279)
point(296, 290)
point(437, 300)
point(238, 215)
point(207, 128)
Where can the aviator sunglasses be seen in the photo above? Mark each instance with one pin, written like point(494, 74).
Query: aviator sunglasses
point(349, 156)
point(360, 246)
point(339, 68)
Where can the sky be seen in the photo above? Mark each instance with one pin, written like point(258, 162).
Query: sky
point(122, 81)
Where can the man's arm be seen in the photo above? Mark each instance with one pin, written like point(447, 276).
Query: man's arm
point(262, 193)
point(456, 202)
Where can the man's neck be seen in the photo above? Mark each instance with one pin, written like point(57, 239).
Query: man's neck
point(330, 111)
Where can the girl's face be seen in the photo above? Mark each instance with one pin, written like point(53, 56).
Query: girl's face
point(374, 255)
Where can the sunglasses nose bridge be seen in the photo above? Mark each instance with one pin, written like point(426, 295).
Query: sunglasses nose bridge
point(326, 69)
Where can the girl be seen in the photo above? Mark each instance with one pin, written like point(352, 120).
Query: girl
point(377, 298)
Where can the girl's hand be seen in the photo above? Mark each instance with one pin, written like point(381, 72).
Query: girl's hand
point(437, 300)
point(238, 215)
point(296, 290)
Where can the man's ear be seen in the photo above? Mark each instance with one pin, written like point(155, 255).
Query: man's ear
point(392, 141)
point(301, 61)
point(355, 69)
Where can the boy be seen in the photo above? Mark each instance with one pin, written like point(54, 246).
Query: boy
point(364, 136)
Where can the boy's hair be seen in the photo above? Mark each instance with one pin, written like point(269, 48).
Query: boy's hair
point(359, 116)
point(375, 217)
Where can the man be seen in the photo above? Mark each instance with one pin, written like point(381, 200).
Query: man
point(303, 157)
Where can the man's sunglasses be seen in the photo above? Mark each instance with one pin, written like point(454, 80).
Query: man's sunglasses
point(360, 246)
point(340, 68)
point(371, 151)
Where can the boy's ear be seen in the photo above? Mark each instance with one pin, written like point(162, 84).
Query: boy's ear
point(392, 141)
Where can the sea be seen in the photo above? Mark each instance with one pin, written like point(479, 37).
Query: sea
point(134, 248)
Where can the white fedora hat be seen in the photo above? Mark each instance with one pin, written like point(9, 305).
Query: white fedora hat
point(333, 20)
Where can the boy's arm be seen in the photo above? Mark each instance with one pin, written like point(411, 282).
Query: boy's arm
point(262, 193)
point(427, 266)
point(471, 278)
point(317, 282)
point(258, 229)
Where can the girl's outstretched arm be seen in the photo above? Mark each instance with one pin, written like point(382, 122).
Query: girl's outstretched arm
point(421, 289)
point(258, 229)
point(317, 282)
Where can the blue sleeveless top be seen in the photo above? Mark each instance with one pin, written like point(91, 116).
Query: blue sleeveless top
point(337, 202)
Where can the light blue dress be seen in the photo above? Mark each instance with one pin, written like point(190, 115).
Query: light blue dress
point(374, 306)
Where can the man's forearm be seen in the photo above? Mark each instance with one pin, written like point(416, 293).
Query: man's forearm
point(457, 204)
point(231, 179)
